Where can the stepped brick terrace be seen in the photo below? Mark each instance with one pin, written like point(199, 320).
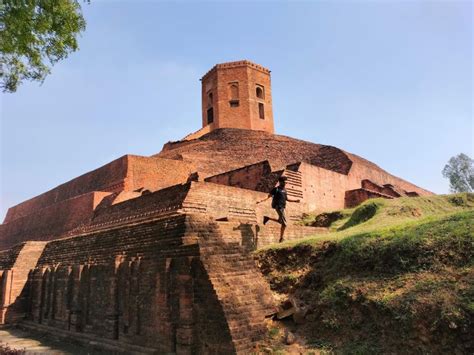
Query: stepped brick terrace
point(153, 254)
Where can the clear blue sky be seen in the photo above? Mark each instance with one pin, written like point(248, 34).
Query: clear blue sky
point(390, 81)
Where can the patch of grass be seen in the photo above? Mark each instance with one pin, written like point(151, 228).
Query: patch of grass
point(443, 241)
point(396, 213)
point(336, 294)
point(274, 332)
point(462, 200)
point(362, 214)
point(322, 345)
point(284, 283)
point(360, 348)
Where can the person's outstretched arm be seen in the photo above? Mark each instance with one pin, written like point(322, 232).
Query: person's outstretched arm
point(264, 199)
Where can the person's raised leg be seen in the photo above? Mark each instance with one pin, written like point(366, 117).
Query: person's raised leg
point(266, 219)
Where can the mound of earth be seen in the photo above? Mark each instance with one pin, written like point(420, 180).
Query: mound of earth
point(396, 283)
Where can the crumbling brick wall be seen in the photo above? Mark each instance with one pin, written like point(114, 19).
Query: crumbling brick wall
point(363, 169)
point(128, 173)
point(52, 221)
point(357, 196)
point(247, 177)
point(110, 177)
point(156, 173)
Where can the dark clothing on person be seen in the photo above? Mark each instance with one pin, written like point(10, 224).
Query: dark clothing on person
point(279, 197)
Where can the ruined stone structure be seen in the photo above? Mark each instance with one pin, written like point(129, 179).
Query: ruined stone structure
point(152, 254)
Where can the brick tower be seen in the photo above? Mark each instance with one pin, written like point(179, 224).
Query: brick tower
point(237, 95)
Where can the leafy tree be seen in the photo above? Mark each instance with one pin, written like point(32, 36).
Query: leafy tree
point(460, 172)
point(34, 35)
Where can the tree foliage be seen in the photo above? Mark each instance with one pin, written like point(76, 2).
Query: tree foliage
point(460, 172)
point(34, 35)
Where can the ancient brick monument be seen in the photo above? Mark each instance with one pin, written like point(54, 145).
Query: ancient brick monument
point(152, 254)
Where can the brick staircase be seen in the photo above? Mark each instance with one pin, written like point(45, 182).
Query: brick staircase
point(14, 278)
point(9, 256)
point(243, 296)
point(294, 184)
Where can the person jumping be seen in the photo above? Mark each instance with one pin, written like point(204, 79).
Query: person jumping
point(280, 197)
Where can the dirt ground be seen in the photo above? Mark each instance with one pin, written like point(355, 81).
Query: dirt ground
point(37, 343)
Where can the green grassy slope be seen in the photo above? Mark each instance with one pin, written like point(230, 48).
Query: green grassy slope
point(394, 276)
point(381, 214)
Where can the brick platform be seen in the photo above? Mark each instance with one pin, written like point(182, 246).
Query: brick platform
point(181, 283)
